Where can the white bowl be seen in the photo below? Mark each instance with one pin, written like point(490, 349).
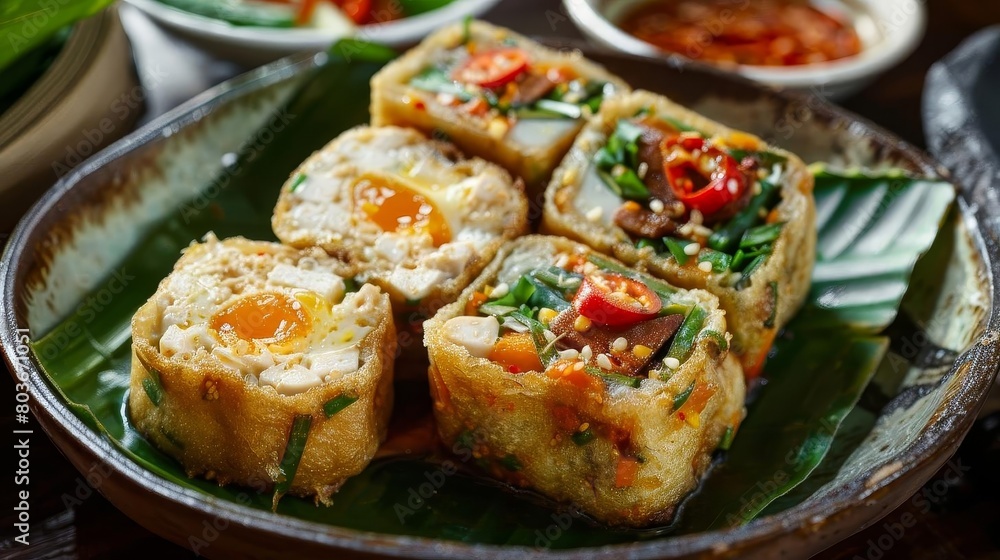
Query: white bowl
point(890, 30)
point(253, 46)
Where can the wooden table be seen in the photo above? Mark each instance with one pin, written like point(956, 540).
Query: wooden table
point(953, 516)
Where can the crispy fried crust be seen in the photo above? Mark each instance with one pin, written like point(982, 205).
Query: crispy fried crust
point(223, 428)
point(508, 415)
point(789, 266)
point(395, 102)
point(338, 162)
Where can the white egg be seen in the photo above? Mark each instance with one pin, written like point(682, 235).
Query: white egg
point(414, 213)
point(266, 311)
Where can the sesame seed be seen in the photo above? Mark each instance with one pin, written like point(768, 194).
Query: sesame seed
point(701, 231)
point(656, 205)
point(501, 290)
point(584, 426)
point(604, 362)
point(578, 366)
point(582, 324)
point(705, 266)
point(595, 213)
point(642, 351)
point(685, 229)
point(732, 185)
point(586, 353)
point(672, 363)
point(691, 249)
point(642, 170)
point(619, 345)
point(569, 354)
point(697, 217)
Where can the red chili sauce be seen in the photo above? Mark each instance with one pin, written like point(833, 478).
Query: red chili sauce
point(751, 32)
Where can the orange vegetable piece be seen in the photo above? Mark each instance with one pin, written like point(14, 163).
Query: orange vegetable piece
point(626, 472)
point(516, 353)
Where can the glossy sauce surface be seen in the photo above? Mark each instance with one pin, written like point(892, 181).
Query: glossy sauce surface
point(750, 32)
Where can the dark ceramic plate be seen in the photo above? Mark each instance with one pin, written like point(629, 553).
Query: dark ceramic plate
point(73, 239)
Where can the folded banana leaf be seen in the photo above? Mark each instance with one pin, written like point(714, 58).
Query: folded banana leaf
point(815, 375)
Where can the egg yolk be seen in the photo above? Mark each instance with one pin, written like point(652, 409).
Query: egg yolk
point(269, 318)
point(398, 208)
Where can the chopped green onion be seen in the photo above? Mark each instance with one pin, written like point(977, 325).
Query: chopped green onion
point(466, 30)
point(496, 310)
point(583, 438)
point(676, 248)
point(769, 323)
point(338, 403)
point(153, 390)
point(610, 182)
point(604, 159)
point(744, 280)
point(727, 237)
point(351, 285)
point(293, 454)
point(683, 341)
point(766, 159)
point(628, 131)
point(518, 294)
point(683, 396)
point(727, 438)
point(674, 308)
point(561, 108)
point(679, 125)
point(297, 182)
point(544, 296)
point(631, 185)
point(651, 243)
point(562, 280)
point(511, 463)
point(761, 235)
point(719, 338)
point(720, 261)
point(738, 259)
point(435, 80)
point(616, 378)
point(546, 352)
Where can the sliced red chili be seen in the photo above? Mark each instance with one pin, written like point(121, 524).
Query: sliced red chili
point(359, 11)
point(492, 68)
point(702, 176)
point(614, 300)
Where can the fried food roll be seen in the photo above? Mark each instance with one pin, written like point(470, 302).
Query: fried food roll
point(561, 370)
point(696, 204)
point(413, 215)
point(252, 365)
point(495, 94)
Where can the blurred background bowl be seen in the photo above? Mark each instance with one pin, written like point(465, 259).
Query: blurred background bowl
point(87, 98)
point(253, 46)
point(889, 31)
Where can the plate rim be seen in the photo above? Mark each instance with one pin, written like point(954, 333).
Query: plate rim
point(933, 446)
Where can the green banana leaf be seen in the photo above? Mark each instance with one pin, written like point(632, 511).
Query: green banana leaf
point(815, 375)
point(27, 24)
